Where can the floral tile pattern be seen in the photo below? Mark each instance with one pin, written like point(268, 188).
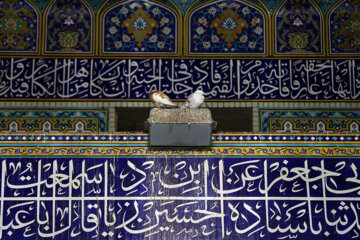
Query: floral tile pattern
point(19, 25)
point(298, 28)
point(344, 24)
point(139, 27)
point(69, 26)
point(227, 27)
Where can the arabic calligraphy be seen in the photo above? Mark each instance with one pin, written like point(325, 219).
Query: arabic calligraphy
point(173, 198)
point(220, 79)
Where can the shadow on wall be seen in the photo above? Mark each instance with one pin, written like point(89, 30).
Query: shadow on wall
point(132, 119)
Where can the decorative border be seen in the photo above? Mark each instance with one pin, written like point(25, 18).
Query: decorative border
point(137, 145)
point(97, 9)
point(214, 151)
point(79, 120)
point(220, 79)
point(126, 138)
point(269, 116)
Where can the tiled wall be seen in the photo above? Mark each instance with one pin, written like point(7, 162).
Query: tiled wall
point(111, 105)
point(275, 47)
point(244, 186)
point(175, 28)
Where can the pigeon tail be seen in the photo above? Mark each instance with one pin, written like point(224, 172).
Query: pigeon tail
point(186, 105)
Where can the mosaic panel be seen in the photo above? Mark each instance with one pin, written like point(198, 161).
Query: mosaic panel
point(70, 24)
point(230, 27)
point(178, 195)
point(51, 120)
point(220, 79)
point(298, 28)
point(69, 27)
point(310, 121)
point(344, 25)
point(140, 27)
point(18, 26)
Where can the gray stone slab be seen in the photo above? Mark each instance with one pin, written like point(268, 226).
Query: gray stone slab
point(180, 127)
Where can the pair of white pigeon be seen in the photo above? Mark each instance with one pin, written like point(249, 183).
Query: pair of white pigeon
point(193, 101)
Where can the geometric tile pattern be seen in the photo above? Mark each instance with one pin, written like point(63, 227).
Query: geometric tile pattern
point(53, 120)
point(309, 121)
point(245, 186)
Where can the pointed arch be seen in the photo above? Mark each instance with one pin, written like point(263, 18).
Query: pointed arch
point(19, 27)
point(230, 27)
point(298, 28)
point(69, 27)
point(140, 28)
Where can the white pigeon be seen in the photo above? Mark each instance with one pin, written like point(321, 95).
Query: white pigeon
point(194, 100)
point(160, 98)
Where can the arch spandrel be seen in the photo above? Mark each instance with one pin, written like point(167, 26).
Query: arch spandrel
point(139, 28)
point(298, 29)
point(19, 27)
point(344, 28)
point(69, 28)
point(227, 28)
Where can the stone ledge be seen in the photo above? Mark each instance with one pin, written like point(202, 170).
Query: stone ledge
point(180, 115)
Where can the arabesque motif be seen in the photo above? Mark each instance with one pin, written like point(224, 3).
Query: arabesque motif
point(18, 26)
point(139, 27)
point(344, 24)
point(227, 27)
point(298, 28)
point(69, 27)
